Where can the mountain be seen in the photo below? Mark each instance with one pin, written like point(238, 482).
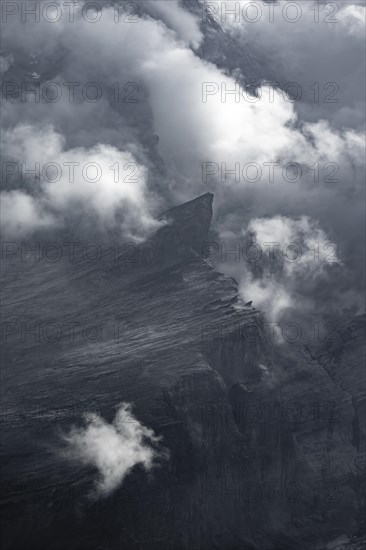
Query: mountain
point(266, 442)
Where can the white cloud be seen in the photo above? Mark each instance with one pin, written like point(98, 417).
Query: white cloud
point(268, 295)
point(21, 214)
point(114, 449)
point(177, 18)
point(303, 244)
point(293, 251)
point(353, 18)
point(5, 63)
point(103, 182)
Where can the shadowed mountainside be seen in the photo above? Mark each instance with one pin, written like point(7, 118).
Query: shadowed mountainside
point(266, 442)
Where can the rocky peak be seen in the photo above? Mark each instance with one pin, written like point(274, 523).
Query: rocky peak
point(186, 228)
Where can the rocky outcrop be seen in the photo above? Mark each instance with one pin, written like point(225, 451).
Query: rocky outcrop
point(185, 229)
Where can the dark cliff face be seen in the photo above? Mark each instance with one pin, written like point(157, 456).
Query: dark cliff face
point(185, 229)
point(266, 443)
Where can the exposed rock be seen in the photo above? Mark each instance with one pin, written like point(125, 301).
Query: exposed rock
point(266, 443)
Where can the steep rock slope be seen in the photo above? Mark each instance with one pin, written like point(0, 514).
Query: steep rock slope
point(264, 445)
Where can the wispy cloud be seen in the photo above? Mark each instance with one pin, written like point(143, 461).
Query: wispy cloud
point(114, 449)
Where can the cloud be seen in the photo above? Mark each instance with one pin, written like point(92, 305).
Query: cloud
point(300, 52)
point(103, 184)
point(21, 215)
point(185, 24)
point(291, 251)
point(114, 449)
point(269, 296)
point(173, 129)
point(173, 78)
point(5, 63)
point(353, 18)
point(304, 245)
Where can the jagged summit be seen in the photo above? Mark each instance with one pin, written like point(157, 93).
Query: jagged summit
point(195, 206)
point(186, 228)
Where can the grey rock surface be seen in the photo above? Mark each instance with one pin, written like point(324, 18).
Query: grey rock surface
point(266, 442)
